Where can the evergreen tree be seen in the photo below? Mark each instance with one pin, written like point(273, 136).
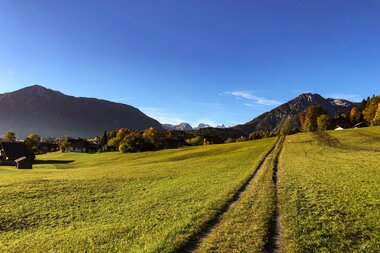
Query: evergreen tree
point(103, 140)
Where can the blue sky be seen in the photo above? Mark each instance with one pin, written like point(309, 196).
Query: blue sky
point(196, 61)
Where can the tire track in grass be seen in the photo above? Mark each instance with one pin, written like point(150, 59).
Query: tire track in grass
point(193, 243)
point(275, 242)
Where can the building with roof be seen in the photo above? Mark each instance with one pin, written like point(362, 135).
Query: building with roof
point(11, 151)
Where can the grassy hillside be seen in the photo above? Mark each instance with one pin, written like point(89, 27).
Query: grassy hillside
point(150, 202)
point(329, 190)
point(324, 197)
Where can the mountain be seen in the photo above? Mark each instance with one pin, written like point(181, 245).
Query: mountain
point(179, 127)
point(202, 125)
point(36, 109)
point(271, 120)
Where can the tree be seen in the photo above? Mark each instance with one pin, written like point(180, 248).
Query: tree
point(323, 122)
point(376, 119)
point(309, 116)
point(354, 115)
point(63, 143)
point(195, 141)
point(104, 139)
point(241, 138)
point(120, 135)
point(286, 126)
point(32, 142)
point(135, 142)
point(9, 137)
point(229, 140)
point(370, 111)
point(150, 135)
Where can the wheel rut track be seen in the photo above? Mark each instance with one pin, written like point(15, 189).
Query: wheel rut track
point(274, 243)
point(193, 243)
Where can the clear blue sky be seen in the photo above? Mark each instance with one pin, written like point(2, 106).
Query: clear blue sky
point(196, 61)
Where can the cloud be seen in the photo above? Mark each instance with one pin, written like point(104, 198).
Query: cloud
point(250, 105)
point(350, 97)
point(248, 95)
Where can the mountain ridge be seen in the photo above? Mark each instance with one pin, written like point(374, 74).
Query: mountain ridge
point(270, 121)
point(36, 109)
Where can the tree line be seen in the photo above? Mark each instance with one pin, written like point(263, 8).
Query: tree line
point(313, 118)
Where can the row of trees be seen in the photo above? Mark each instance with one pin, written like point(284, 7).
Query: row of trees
point(368, 111)
point(33, 141)
point(127, 140)
point(314, 118)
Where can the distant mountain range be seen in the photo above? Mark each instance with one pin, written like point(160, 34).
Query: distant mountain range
point(270, 121)
point(36, 109)
point(46, 112)
point(179, 127)
point(188, 127)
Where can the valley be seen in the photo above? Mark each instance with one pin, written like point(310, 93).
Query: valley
point(217, 198)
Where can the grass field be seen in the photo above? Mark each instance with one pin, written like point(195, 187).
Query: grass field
point(143, 202)
point(326, 197)
point(245, 227)
point(329, 190)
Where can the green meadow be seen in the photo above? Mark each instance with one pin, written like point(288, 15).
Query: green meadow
point(202, 199)
point(142, 202)
point(329, 191)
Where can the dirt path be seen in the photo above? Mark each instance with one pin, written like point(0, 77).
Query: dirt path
point(208, 227)
point(275, 239)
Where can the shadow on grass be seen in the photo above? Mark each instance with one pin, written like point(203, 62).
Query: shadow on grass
point(53, 161)
point(328, 140)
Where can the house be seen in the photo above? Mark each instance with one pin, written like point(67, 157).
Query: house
point(361, 124)
point(81, 146)
point(208, 139)
point(174, 143)
point(24, 163)
point(10, 151)
point(45, 147)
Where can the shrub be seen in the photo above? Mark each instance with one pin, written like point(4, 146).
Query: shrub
point(196, 141)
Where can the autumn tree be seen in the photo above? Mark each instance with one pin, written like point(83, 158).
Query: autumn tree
point(370, 111)
point(376, 119)
point(9, 137)
point(324, 123)
point(32, 142)
point(120, 135)
point(195, 141)
point(135, 142)
point(151, 135)
point(309, 116)
point(354, 115)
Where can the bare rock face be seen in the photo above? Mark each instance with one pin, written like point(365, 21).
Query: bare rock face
point(36, 109)
point(271, 120)
point(179, 127)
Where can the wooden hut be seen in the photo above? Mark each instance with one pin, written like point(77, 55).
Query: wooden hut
point(24, 163)
point(10, 151)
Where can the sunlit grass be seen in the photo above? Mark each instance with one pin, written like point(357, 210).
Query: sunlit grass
point(330, 191)
point(143, 202)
